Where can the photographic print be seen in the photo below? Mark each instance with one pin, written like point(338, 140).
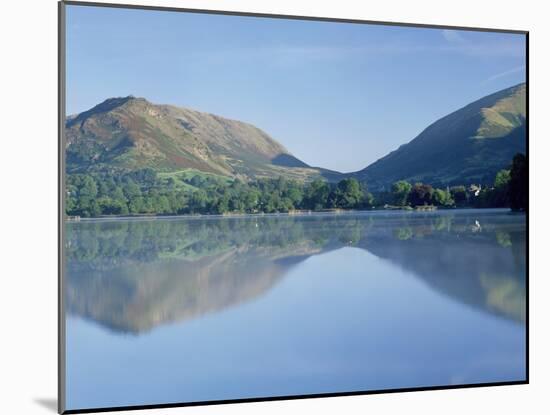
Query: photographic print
point(261, 207)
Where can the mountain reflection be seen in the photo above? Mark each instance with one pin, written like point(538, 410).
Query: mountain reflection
point(131, 276)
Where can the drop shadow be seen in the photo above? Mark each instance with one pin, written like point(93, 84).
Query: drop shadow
point(48, 403)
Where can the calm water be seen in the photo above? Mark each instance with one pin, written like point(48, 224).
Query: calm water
point(180, 310)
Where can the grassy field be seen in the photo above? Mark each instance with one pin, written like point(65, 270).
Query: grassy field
point(182, 179)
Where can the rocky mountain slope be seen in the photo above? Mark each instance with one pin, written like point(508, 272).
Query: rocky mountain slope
point(132, 133)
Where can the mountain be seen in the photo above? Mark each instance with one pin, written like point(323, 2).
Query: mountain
point(467, 146)
point(131, 133)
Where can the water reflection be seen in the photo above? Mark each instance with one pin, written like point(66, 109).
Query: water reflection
point(131, 276)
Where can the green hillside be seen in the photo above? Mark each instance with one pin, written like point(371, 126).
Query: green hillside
point(129, 156)
point(131, 133)
point(126, 134)
point(467, 146)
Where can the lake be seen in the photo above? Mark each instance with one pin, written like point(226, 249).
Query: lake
point(212, 308)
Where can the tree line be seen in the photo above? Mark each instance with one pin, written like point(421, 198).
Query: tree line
point(144, 192)
point(509, 189)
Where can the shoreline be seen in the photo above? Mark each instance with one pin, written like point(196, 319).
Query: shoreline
point(285, 214)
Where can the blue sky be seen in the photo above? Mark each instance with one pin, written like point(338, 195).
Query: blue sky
point(335, 95)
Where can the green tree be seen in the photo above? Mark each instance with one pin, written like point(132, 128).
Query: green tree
point(459, 195)
point(499, 195)
point(518, 185)
point(71, 203)
point(421, 194)
point(222, 205)
point(147, 177)
point(198, 201)
point(400, 192)
point(118, 194)
point(316, 195)
point(251, 200)
point(442, 197)
point(295, 194)
point(110, 206)
point(137, 205)
point(103, 188)
point(88, 187)
point(131, 189)
point(502, 179)
point(162, 204)
point(87, 194)
point(348, 194)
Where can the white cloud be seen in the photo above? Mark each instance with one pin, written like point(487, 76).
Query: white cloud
point(290, 55)
point(506, 73)
point(452, 36)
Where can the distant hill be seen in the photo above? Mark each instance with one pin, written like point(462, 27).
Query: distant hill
point(131, 133)
point(467, 146)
